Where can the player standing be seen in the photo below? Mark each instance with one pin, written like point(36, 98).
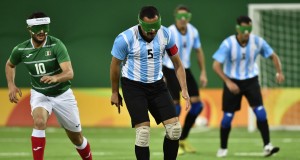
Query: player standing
point(50, 70)
point(186, 38)
point(139, 50)
point(238, 53)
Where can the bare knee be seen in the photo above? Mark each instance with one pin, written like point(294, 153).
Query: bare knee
point(40, 123)
point(40, 117)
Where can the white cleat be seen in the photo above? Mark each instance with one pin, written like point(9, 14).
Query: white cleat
point(269, 150)
point(222, 152)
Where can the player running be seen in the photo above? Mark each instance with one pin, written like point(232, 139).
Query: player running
point(50, 71)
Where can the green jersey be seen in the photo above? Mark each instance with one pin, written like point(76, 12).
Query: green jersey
point(41, 62)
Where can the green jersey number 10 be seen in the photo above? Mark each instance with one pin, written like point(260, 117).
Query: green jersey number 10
point(40, 68)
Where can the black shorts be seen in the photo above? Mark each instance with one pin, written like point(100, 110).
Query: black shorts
point(249, 87)
point(141, 97)
point(174, 86)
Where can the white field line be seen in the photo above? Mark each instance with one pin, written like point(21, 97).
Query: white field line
point(129, 141)
point(15, 154)
point(258, 154)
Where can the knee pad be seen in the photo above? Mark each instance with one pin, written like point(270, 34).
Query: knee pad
point(260, 112)
point(178, 109)
point(173, 131)
point(196, 108)
point(142, 136)
point(227, 119)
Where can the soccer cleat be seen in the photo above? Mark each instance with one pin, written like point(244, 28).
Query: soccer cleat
point(269, 150)
point(186, 146)
point(222, 152)
point(180, 151)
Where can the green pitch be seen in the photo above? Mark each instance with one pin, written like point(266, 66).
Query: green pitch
point(118, 144)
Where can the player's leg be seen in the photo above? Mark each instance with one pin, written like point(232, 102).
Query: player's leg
point(171, 140)
point(40, 111)
point(196, 108)
point(173, 87)
point(254, 97)
point(136, 103)
point(67, 114)
point(81, 144)
point(162, 109)
point(230, 104)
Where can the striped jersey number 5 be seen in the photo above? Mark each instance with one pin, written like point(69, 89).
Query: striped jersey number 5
point(40, 68)
point(150, 54)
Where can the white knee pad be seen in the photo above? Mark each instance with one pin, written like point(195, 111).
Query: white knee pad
point(142, 136)
point(173, 131)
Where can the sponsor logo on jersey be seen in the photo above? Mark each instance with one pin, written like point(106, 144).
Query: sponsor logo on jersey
point(28, 55)
point(48, 53)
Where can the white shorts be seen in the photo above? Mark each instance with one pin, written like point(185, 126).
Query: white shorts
point(64, 107)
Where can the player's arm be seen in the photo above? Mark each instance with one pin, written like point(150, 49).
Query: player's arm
point(217, 67)
point(115, 70)
point(10, 71)
point(277, 64)
point(180, 73)
point(65, 75)
point(201, 63)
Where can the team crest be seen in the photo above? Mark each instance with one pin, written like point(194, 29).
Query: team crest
point(48, 53)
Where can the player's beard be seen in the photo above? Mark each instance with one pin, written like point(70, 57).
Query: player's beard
point(37, 40)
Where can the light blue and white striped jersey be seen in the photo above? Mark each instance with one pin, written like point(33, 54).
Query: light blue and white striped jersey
point(142, 61)
point(185, 44)
point(239, 62)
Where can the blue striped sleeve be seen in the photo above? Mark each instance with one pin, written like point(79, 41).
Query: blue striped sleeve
point(197, 42)
point(171, 38)
point(266, 50)
point(120, 48)
point(221, 54)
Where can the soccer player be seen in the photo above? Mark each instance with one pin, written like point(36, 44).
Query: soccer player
point(238, 53)
point(139, 50)
point(186, 38)
point(50, 70)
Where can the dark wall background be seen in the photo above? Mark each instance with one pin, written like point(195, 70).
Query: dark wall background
point(88, 29)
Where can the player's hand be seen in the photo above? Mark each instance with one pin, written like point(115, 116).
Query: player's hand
point(279, 77)
point(186, 97)
point(49, 79)
point(233, 87)
point(13, 91)
point(116, 99)
point(203, 79)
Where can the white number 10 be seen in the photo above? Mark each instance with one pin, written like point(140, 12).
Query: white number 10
point(40, 68)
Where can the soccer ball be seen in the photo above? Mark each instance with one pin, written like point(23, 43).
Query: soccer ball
point(201, 121)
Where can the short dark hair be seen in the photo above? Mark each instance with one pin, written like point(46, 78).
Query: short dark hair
point(37, 15)
point(243, 19)
point(148, 11)
point(182, 7)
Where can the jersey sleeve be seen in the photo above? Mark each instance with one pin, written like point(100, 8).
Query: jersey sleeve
point(221, 54)
point(61, 53)
point(15, 57)
point(171, 47)
point(266, 50)
point(120, 48)
point(197, 42)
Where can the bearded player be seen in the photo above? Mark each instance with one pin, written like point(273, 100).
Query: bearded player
point(50, 71)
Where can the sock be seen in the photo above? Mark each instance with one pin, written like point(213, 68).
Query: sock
point(263, 127)
point(188, 124)
point(84, 150)
point(224, 134)
point(38, 142)
point(142, 153)
point(170, 149)
point(178, 109)
point(190, 119)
